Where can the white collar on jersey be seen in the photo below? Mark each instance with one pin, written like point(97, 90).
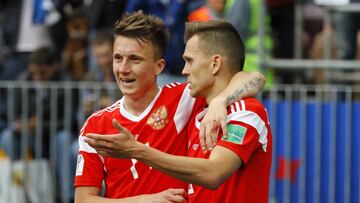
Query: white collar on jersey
point(134, 118)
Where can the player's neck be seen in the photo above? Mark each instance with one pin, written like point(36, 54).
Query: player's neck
point(137, 105)
point(219, 85)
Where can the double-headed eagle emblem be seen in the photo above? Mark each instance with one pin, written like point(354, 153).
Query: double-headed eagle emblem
point(158, 119)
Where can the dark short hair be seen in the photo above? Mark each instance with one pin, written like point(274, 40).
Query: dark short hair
point(147, 28)
point(218, 37)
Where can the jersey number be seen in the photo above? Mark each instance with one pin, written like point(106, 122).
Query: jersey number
point(133, 169)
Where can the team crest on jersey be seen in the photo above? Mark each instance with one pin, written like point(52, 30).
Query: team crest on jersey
point(158, 119)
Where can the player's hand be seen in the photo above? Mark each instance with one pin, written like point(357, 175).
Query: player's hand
point(116, 145)
point(214, 119)
point(166, 196)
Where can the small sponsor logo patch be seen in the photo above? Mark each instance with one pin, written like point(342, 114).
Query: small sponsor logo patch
point(236, 134)
point(80, 165)
point(195, 146)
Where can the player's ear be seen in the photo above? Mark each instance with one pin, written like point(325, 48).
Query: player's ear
point(217, 62)
point(160, 65)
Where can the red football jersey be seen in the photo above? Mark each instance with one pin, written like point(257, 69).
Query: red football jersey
point(162, 126)
point(249, 136)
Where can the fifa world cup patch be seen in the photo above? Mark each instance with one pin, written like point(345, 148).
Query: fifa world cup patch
point(80, 165)
point(236, 133)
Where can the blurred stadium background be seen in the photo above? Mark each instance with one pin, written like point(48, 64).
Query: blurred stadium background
point(312, 95)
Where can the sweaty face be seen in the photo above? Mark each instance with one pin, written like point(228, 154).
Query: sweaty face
point(134, 66)
point(197, 68)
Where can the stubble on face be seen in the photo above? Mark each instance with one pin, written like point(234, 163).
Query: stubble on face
point(197, 67)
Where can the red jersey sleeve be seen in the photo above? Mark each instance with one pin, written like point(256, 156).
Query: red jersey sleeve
point(90, 167)
point(248, 128)
point(242, 139)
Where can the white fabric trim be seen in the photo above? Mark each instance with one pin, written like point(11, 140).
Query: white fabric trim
point(242, 105)
point(173, 84)
point(255, 121)
point(232, 108)
point(184, 109)
point(198, 117)
point(134, 118)
point(99, 113)
point(85, 147)
point(237, 106)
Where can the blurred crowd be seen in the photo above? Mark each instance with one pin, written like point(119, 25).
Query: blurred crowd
point(72, 40)
point(79, 33)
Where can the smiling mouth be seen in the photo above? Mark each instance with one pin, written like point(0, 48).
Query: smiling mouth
point(127, 80)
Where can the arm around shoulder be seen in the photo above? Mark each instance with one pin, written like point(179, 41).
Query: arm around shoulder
point(243, 84)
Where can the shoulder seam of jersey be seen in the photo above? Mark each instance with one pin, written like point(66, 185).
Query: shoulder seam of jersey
point(107, 109)
point(98, 113)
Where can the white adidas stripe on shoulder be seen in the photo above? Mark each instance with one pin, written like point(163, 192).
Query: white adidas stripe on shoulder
point(82, 128)
point(237, 106)
point(174, 84)
point(243, 108)
point(232, 108)
point(109, 109)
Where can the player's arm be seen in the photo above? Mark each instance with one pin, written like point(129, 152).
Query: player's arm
point(91, 194)
point(243, 84)
point(90, 174)
point(209, 173)
point(205, 172)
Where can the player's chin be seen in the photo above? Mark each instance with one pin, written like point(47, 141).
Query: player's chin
point(193, 93)
point(126, 90)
